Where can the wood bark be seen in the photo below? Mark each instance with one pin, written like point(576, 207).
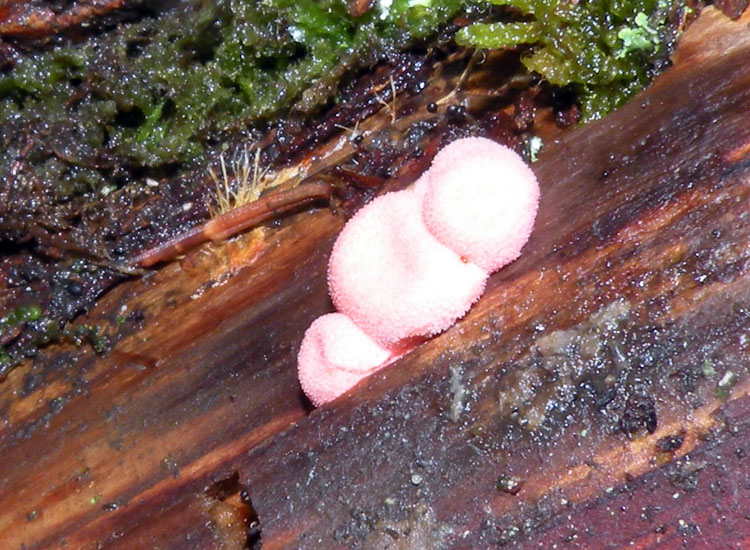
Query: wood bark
point(33, 20)
point(596, 396)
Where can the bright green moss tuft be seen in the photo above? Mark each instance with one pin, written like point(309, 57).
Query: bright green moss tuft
point(604, 49)
point(22, 314)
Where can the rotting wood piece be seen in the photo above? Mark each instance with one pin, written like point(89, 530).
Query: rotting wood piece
point(233, 222)
point(24, 19)
point(120, 450)
point(614, 344)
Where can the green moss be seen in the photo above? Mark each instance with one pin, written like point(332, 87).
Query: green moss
point(150, 96)
point(604, 49)
point(89, 334)
point(640, 37)
point(160, 90)
point(22, 314)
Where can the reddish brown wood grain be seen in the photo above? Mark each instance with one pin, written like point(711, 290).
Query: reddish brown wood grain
point(699, 501)
point(33, 19)
point(121, 450)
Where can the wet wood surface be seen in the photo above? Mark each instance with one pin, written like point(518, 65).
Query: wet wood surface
point(552, 396)
point(596, 396)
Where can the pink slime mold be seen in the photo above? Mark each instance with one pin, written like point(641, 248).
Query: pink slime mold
point(411, 263)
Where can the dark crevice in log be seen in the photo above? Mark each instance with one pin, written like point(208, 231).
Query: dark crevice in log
point(225, 487)
point(254, 538)
point(231, 509)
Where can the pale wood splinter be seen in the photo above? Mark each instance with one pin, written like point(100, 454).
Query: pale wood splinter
point(233, 222)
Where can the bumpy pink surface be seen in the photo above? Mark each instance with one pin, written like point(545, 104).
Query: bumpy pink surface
point(393, 278)
point(481, 201)
point(334, 356)
point(409, 264)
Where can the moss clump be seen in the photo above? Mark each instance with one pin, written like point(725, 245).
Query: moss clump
point(86, 117)
point(157, 91)
point(21, 314)
point(605, 49)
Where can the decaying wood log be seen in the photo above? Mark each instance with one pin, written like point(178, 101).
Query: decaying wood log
point(121, 451)
point(555, 413)
point(613, 350)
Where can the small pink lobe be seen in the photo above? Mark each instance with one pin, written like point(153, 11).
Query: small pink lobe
point(334, 356)
point(481, 201)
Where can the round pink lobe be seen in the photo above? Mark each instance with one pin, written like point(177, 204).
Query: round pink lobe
point(393, 278)
point(481, 201)
point(334, 356)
